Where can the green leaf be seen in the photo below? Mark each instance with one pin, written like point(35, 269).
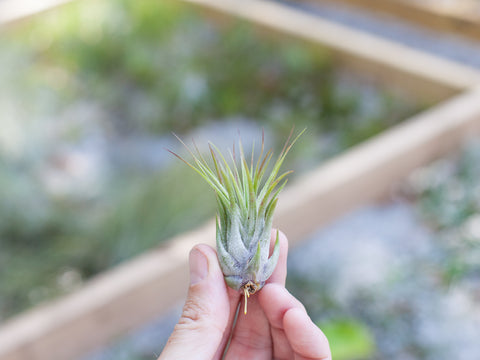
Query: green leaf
point(349, 339)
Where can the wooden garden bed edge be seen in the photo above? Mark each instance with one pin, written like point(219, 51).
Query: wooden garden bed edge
point(427, 76)
point(424, 14)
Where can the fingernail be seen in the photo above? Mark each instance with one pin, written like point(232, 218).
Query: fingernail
point(198, 266)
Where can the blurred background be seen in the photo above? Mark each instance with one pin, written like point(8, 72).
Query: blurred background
point(90, 94)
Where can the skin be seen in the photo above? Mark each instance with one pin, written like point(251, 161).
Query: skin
point(275, 327)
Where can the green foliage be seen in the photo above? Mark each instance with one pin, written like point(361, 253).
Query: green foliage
point(448, 198)
point(349, 339)
point(157, 66)
point(43, 241)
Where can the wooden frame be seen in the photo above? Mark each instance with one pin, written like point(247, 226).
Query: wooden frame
point(461, 17)
point(427, 76)
point(137, 291)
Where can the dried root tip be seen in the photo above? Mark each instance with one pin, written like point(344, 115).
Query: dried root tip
point(247, 295)
point(249, 288)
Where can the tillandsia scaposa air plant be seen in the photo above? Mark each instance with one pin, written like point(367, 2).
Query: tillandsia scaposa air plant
point(247, 194)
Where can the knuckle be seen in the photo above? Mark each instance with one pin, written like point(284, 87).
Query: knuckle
point(193, 313)
point(197, 317)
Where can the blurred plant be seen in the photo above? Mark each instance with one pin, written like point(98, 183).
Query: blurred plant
point(448, 197)
point(157, 66)
point(51, 245)
point(349, 339)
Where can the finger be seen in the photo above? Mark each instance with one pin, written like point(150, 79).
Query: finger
point(275, 301)
point(281, 346)
point(206, 310)
point(251, 337)
point(233, 298)
point(307, 340)
point(280, 273)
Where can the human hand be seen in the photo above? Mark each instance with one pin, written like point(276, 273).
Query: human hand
point(275, 327)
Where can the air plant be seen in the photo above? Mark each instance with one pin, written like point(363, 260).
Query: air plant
point(247, 195)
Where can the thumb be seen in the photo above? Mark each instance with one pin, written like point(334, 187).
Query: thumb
point(200, 329)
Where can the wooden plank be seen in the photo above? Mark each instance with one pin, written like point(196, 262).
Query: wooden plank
point(145, 287)
point(427, 76)
point(461, 17)
point(109, 305)
point(369, 171)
